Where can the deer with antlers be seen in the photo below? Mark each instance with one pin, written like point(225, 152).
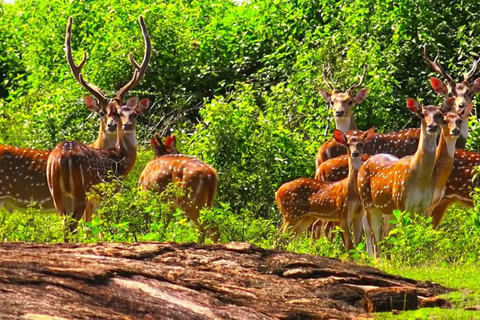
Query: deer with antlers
point(463, 92)
point(342, 103)
point(304, 201)
point(404, 142)
point(197, 179)
point(386, 183)
point(24, 178)
point(73, 168)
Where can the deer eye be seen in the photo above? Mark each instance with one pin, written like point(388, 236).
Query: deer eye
point(422, 115)
point(360, 144)
point(331, 103)
point(444, 121)
point(101, 113)
point(350, 102)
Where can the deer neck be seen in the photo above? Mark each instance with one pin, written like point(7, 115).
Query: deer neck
point(423, 161)
point(351, 180)
point(345, 124)
point(462, 139)
point(444, 160)
point(126, 148)
point(105, 140)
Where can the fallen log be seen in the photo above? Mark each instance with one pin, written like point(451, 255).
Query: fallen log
point(190, 281)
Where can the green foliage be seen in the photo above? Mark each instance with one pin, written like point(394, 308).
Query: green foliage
point(238, 84)
point(252, 150)
point(414, 242)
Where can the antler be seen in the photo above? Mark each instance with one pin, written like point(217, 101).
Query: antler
point(76, 69)
point(324, 73)
point(361, 80)
point(437, 67)
point(139, 69)
point(470, 73)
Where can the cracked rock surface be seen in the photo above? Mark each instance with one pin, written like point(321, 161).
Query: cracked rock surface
point(190, 281)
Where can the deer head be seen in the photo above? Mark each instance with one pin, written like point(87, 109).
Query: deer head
point(342, 103)
point(452, 119)
point(463, 92)
point(430, 116)
point(160, 148)
point(99, 103)
point(129, 112)
point(354, 144)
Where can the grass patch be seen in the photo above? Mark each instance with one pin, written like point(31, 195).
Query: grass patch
point(465, 279)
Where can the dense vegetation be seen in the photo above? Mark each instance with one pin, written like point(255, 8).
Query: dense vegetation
point(238, 83)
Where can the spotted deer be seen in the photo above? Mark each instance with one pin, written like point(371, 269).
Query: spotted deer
point(445, 158)
point(197, 179)
point(460, 184)
point(304, 201)
point(386, 183)
point(23, 170)
point(73, 168)
point(463, 92)
point(342, 103)
point(404, 142)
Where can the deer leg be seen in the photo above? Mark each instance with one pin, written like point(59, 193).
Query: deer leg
point(387, 226)
point(347, 239)
point(90, 209)
point(329, 227)
point(79, 206)
point(439, 211)
point(374, 218)
point(368, 235)
point(357, 230)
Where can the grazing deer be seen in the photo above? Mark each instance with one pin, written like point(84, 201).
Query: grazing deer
point(23, 170)
point(197, 179)
point(73, 168)
point(386, 183)
point(304, 201)
point(404, 142)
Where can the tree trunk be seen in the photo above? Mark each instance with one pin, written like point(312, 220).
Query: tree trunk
point(190, 281)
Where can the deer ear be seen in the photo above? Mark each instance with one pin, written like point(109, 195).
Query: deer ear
point(91, 103)
point(158, 146)
point(327, 96)
point(438, 86)
point(475, 88)
point(361, 95)
point(368, 135)
point(154, 143)
point(339, 136)
point(142, 106)
point(132, 102)
point(413, 106)
point(448, 105)
point(158, 138)
point(465, 113)
point(170, 142)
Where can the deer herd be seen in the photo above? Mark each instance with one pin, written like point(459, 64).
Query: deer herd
point(61, 179)
point(361, 176)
